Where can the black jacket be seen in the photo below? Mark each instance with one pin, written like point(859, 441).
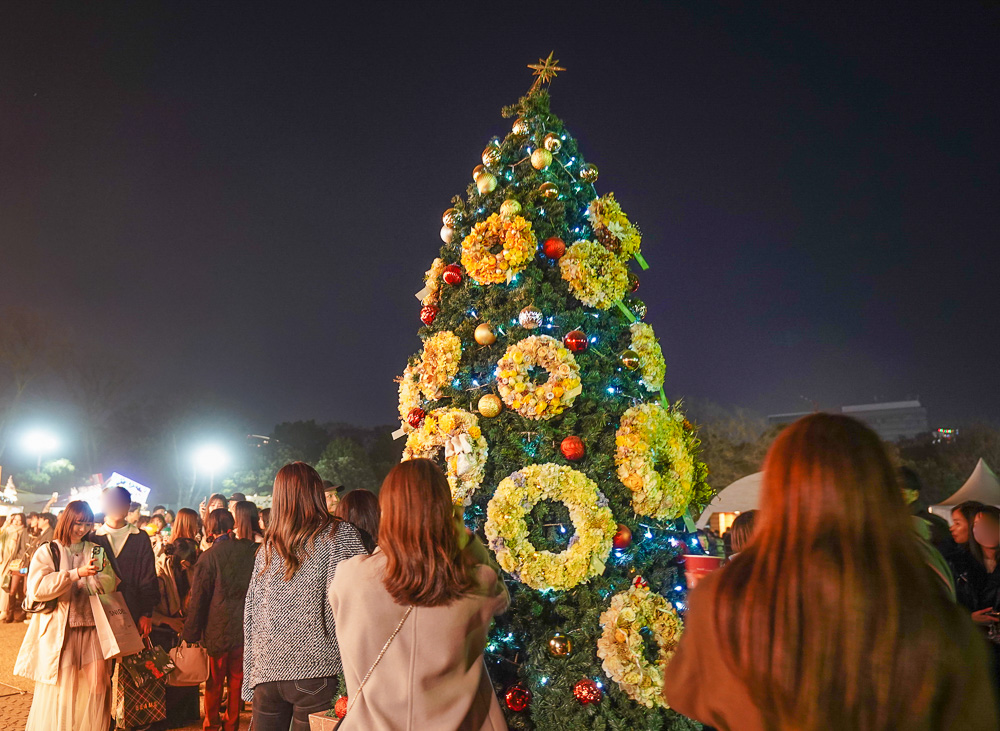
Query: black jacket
point(136, 567)
point(218, 593)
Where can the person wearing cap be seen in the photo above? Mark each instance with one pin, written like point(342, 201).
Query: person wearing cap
point(332, 493)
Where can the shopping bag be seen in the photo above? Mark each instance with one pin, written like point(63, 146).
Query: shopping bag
point(190, 665)
point(138, 704)
point(116, 631)
point(151, 662)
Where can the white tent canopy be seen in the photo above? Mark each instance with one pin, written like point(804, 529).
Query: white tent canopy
point(740, 496)
point(982, 486)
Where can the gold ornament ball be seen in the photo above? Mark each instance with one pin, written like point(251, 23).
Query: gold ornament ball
point(486, 183)
point(521, 127)
point(447, 234)
point(491, 156)
point(541, 158)
point(530, 317)
point(485, 334)
point(450, 217)
point(560, 645)
point(630, 359)
point(510, 208)
point(552, 143)
point(588, 173)
point(549, 190)
point(490, 405)
point(477, 171)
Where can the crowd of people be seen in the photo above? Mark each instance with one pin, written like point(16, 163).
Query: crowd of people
point(831, 612)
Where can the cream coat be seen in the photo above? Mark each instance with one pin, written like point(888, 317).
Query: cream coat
point(433, 675)
point(38, 658)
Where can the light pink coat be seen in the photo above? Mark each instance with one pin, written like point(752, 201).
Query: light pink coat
point(433, 675)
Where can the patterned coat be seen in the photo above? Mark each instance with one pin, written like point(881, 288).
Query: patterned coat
point(289, 632)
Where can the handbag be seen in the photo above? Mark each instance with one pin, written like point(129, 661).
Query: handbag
point(5, 583)
point(29, 605)
point(190, 665)
point(378, 659)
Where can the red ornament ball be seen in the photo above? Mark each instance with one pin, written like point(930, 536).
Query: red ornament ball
point(623, 537)
point(586, 691)
point(576, 341)
point(428, 313)
point(638, 582)
point(452, 274)
point(340, 707)
point(517, 698)
point(554, 248)
point(633, 283)
point(572, 448)
point(416, 417)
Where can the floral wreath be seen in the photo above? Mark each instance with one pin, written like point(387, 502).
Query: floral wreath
point(430, 294)
point(516, 238)
point(596, 276)
point(438, 365)
point(588, 510)
point(621, 645)
point(649, 436)
point(651, 363)
point(548, 399)
point(465, 449)
point(612, 227)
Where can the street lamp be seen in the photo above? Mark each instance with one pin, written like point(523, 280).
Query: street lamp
point(39, 442)
point(210, 458)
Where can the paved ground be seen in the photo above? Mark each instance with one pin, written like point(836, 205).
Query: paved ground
point(14, 706)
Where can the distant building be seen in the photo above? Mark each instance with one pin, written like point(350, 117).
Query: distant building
point(892, 421)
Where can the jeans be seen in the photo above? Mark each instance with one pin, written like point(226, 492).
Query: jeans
point(225, 669)
point(283, 702)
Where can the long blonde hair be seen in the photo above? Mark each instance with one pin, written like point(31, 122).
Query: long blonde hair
point(298, 516)
point(830, 615)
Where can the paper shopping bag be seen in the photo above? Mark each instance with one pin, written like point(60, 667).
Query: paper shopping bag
point(116, 631)
point(138, 704)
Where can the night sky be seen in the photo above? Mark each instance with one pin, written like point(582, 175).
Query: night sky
point(243, 201)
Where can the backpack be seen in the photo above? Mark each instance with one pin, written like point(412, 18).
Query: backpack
point(46, 607)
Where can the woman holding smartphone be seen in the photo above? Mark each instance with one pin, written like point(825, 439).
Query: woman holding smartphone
point(61, 652)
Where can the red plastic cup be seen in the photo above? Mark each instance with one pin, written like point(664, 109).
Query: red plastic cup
point(697, 566)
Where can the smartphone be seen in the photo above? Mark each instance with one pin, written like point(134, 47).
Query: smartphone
point(96, 556)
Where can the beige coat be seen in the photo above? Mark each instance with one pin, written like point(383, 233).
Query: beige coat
point(702, 685)
point(433, 675)
point(38, 658)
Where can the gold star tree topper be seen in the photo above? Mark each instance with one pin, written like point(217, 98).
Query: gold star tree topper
point(545, 70)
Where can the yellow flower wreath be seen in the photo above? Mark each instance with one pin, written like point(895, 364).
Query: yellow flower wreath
point(621, 645)
point(654, 460)
point(588, 510)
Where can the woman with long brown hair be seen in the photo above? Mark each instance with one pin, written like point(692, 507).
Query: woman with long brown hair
point(432, 591)
point(360, 509)
point(247, 522)
point(291, 658)
point(187, 524)
point(830, 619)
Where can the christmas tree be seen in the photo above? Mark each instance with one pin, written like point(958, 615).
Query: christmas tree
point(540, 388)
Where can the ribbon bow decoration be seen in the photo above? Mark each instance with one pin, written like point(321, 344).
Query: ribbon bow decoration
point(460, 448)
